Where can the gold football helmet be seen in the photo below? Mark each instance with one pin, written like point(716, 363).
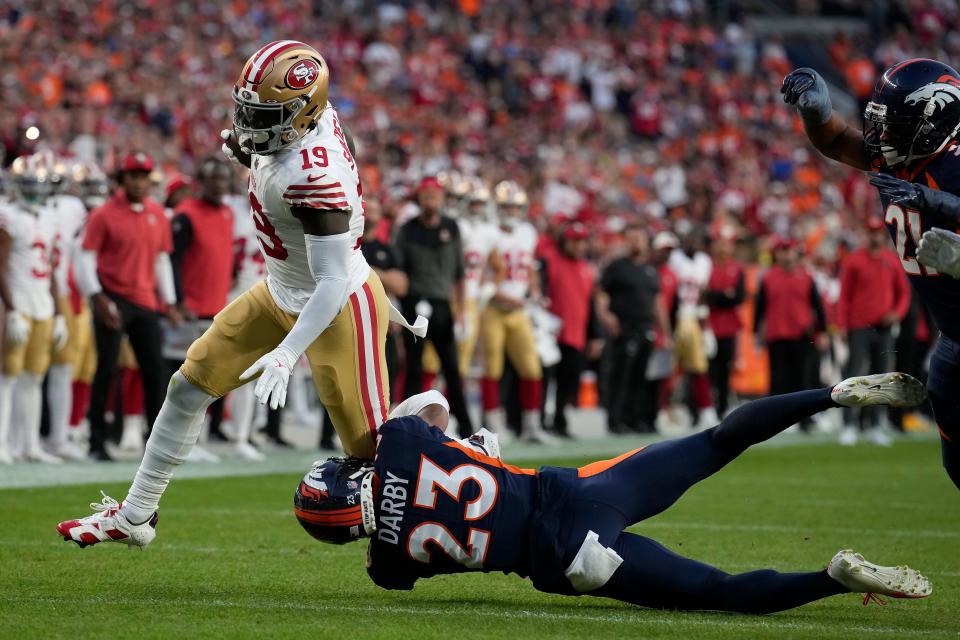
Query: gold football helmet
point(281, 92)
point(93, 183)
point(511, 203)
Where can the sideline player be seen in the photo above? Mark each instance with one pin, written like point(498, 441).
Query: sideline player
point(28, 290)
point(505, 323)
point(319, 298)
point(433, 505)
point(913, 119)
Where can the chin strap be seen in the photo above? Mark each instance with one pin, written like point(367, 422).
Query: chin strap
point(366, 504)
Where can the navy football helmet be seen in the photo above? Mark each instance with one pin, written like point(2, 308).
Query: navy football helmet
point(334, 501)
point(913, 113)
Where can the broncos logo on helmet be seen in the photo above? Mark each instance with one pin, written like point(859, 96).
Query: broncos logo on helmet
point(913, 113)
point(334, 500)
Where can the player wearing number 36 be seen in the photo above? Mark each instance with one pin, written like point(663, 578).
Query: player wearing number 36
point(320, 298)
point(910, 147)
point(433, 505)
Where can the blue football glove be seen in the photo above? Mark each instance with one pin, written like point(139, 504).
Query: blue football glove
point(806, 90)
point(911, 195)
point(898, 191)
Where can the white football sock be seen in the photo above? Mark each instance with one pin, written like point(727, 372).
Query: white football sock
point(174, 433)
point(6, 409)
point(26, 413)
point(242, 409)
point(59, 401)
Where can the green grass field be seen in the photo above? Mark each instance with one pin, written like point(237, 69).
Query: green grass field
point(231, 561)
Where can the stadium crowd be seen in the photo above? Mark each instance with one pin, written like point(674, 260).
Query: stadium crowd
point(688, 243)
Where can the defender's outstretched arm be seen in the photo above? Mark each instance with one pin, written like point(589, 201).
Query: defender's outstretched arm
point(805, 89)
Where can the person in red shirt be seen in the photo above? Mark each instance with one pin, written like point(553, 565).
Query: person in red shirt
point(203, 260)
point(874, 296)
point(724, 294)
point(789, 317)
point(570, 280)
point(124, 269)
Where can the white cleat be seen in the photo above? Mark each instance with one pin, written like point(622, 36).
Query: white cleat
point(5, 458)
point(199, 454)
point(108, 524)
point(247, 451)
point(859, 576)
point(849, 436)
point(68, 451)
point(39, 455)
point(879, 437)
point(706, 419)
point(892, 389)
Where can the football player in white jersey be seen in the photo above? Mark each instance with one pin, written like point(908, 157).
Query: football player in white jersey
point(480, 235)
point(692, 267)
point(67, 215)
point(28, 290)
point(505, 324)
point(320, 297)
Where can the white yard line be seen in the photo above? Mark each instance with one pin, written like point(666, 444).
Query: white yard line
point(639, 616)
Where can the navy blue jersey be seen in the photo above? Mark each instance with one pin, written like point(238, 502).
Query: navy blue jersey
point(940, 294)
point(443, 508)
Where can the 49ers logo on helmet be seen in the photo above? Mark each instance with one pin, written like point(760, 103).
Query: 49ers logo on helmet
point(302, 74)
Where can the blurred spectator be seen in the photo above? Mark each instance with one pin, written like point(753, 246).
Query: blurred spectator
point(630, 310)
point(569, 287)
point(429, 251)
point(724, 294)
point(874, 297)
point(123, 264)
point(789, 318)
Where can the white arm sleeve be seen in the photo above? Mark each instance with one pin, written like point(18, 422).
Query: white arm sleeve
point(329, 257)
point(85, 270)
point(164, 270)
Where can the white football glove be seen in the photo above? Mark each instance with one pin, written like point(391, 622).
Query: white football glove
point(940, 249)
point(60, 332)
point(18, 328)
point(275, 369)
point(225, 135)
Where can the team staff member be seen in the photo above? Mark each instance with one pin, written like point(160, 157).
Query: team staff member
point(430, 251)
point(123, 265)
point(724, 294)
point(569, 285)
point(630, 308)
point(874, 296)
point(203, 258)
point(789, 316)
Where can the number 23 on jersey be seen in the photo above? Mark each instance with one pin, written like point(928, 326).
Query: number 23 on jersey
point(432, 478)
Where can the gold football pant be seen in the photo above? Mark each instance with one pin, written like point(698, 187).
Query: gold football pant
point(33, 356)
point(81, 334)
point(509, 333)
point(347, 360)
point(691, 353)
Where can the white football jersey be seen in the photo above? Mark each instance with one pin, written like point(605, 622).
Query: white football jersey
point(67, 215)
point(250, 263)
point(516, 249)
point(693, 274)
point(318, 172)
point(479, 238)
point(31, 254)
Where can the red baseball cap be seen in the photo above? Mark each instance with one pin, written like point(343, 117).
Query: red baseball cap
point(429, 182)
point(783, 242)
point(576, 231)
point(176, 183)
point(137, 161)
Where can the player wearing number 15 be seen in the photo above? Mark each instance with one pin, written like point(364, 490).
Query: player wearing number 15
point(320, 297)
point(433, 505)
point(910, 142)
